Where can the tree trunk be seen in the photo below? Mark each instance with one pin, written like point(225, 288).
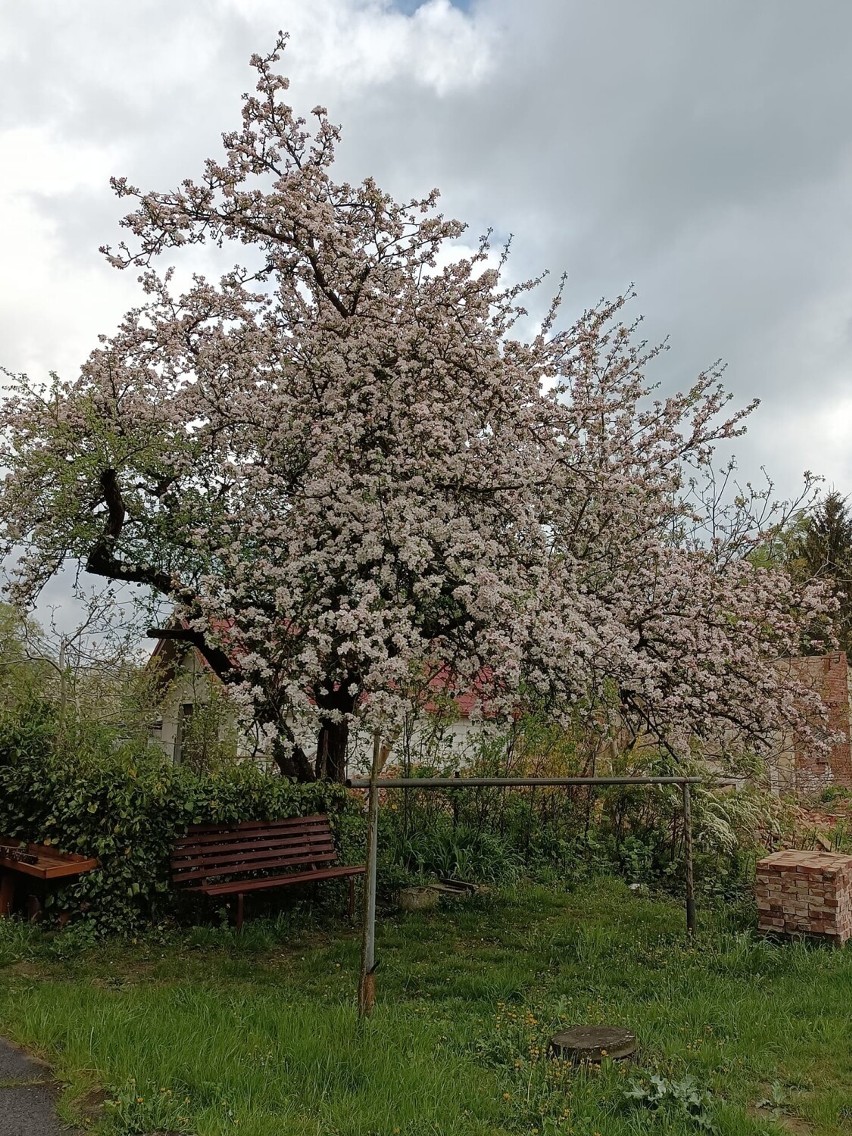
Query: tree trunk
point(292, 762)
point(334, 730)
point(331, 751)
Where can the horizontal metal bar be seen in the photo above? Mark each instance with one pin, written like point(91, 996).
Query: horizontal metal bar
point(531, 782)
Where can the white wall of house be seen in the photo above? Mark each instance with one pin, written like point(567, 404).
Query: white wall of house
point(426, 741)
point(191, 687)
point(447, 741)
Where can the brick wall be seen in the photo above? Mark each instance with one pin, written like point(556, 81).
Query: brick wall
point(810, 772)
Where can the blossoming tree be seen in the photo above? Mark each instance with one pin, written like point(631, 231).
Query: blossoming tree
point(347, 471)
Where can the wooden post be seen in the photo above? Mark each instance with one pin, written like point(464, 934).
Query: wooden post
point(687, 850)
point(367, 981)
point(7, 892)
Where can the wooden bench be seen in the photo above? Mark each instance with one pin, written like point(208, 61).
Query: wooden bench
point(225, 860)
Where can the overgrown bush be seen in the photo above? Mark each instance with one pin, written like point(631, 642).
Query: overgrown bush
point(459, 852)
point(126, 805)
point(571, 833)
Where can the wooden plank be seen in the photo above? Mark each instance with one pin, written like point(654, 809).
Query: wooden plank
point(50, 863)
point(245, 855)
point(53, 871)
point(244, 825)
point(288, 843)
point(214, 838)
point(199, 871)
point(7, 892)
point(202, 832)
point(246, 851)
point(49, 871)
point(226, 868)
point(269, 882)
point(236, 852)
point(261, 872)
point(199, 847)
point(246, 860)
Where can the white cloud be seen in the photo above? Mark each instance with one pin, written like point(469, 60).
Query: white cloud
point(50, 300)
point(704, 152)
point(347, 46)
point(35, 161)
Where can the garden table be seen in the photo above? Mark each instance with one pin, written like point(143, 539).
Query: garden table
point(41, 862)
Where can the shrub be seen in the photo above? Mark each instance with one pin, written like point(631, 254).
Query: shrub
point(635, 831)
point(460, 852)
point(127, 805)
point(833, 793)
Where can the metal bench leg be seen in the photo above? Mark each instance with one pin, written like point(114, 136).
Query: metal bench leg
point(351, 899)
point(240, 911)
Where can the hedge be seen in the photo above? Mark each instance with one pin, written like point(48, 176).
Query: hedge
point(127, 805)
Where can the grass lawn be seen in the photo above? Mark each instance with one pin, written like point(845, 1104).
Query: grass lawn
point(210, 1033)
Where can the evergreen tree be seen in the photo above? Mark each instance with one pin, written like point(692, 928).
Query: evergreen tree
point(823, 551)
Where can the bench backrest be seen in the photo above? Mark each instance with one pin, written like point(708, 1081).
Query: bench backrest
point(211, 850)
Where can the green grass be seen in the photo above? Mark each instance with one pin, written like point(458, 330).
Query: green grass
point(213, 1033)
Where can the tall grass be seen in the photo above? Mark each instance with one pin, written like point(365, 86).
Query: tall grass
point(262, 1063)
point(217, 1033)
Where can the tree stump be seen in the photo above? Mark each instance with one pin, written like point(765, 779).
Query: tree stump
point(417, 898)
point(592, 1043)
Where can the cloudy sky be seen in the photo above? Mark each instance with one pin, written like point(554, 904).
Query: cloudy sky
point(702, 150)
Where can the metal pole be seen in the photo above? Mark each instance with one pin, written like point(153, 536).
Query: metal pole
point(63, 682)
point(374, 785)
point(483, 782)
point(687, 846)
point(367, 980)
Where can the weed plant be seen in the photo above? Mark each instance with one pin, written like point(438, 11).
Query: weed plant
point(496, 836)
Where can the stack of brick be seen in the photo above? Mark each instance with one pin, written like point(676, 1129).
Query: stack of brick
point(806, 893)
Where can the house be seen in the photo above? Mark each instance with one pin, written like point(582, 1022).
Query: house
point(193, 713)
point(185, 687)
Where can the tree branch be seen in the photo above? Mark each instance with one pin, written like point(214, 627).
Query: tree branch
point(102, 560)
